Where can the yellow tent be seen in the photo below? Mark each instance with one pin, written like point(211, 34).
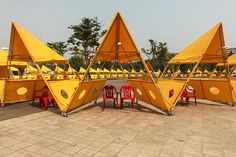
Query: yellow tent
point(71, 70)
point(25, 47)
point(113, 73)
point(32, 69)
point(13, 69)
point(133, 73)
point(45, 69)
point(59, 69)
point(100, 73)
point(82, 70)
point(106, 73)
point(119, 73)
point(209, 48)
point(93, 73)
point(31, 47)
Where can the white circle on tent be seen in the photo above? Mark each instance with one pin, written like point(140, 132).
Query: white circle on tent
point(81, 95)
point(21, 91)
point(152, 94)
point(214, 90)
point(139, 91)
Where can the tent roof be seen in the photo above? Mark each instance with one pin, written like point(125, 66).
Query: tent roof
point(105, 70)
point(126, 71)
point(92, 70)
point(70, 70)
point(232, 60)
point(118, 70)
point(44, 68)
point(112, 70)
point(207, 49)
point(133, 71)
point(3, 60)
point(118, 44)
point(59, 69)
point(13, 69)
point(82, 70)
point(31, 68)
point(25, 47)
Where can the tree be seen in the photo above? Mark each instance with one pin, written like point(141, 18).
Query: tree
point(85, 37)
point(60, 47)
point(76, 62)
point(157, 54)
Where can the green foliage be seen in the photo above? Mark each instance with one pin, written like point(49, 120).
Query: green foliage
point(76, 62)
point(157, 54)
point(60, 47)
point(85, 37)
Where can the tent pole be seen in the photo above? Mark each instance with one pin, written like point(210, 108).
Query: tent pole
point(164, 71)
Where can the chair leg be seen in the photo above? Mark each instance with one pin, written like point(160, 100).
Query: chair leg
point(195, 100)
point(104, 104)
point(187, 100)
point(41, 103)
point(45, 102)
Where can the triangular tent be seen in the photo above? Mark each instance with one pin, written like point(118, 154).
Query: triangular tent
point(82, 70)
point(25, 47)
point(105, 70)
point(45, 69)
point(92, 70)
point(209, 48)
point(59, 69)
point(71, 70)
point(118, 44)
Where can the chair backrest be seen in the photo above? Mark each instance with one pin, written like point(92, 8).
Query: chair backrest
point(127, 92)
point(109, 91)
point(45, 91)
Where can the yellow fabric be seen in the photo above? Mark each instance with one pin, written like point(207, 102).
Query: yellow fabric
point(13, 69)
point(82, 70)
point(31, 68)
point(119, 71)
point(25, 47)
point(147, 92)
point(113, 71)
point(45, 69)
point(67, 86)
point(105, 70)
point(71, 70)
point(21, 90)
point(117, 43)
point(86, 92)
point(133, 71)
point(2, 84)
point(59, 69)
point(3, 60)
point(92, 70)
point(204, 89)
point(207, 49)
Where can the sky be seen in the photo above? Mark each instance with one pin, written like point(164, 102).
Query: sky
point(177, 22)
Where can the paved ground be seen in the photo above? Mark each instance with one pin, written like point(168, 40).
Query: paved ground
point(205, 130)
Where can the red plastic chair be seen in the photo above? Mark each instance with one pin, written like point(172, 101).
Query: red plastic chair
point(109, 93)
point(187, 94)
point(127, 93)
point(44, 97)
